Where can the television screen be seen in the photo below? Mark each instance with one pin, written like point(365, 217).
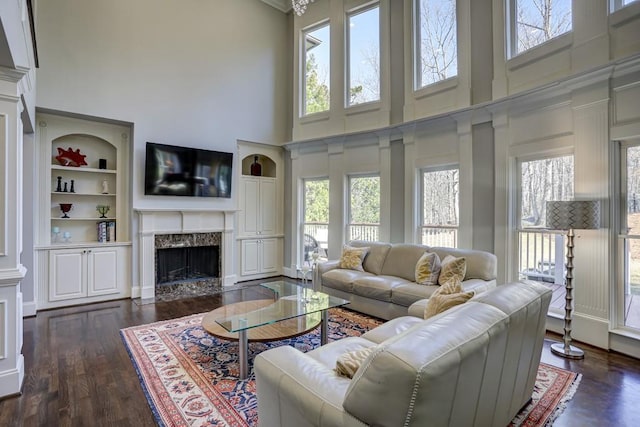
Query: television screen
point(182, 171)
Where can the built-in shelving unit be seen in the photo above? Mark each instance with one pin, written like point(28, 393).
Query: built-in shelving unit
point(259, 233)
point(74, 263)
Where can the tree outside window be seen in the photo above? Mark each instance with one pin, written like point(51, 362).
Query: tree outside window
point(316, 65)
point(363, 29)
point(538, 21)
point(364, 207)
point(440, 200)
point(436, 41)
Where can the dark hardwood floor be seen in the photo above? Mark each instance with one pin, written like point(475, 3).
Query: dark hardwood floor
point(78, 372)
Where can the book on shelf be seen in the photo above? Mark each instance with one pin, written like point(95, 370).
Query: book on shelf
point(106, 231)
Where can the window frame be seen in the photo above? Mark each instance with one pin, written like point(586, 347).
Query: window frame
point(348, 223)
point(363, 8)
point(511, 25)
point(422, 225)
point(303, 69)
point(303, 209)
point(418, 86)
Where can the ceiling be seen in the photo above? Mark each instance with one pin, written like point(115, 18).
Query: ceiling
point(282, 5)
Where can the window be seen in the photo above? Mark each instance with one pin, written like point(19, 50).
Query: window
point(439, 214)
point(534, 22)
point(619, 4)
point(316, 44)
point(364, 208)
point(436, 41)
point(542, 252)
point(315, 228)
point(630, 234)
point(363, 29)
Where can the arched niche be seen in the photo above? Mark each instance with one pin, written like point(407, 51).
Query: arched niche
point(93, 147)
point(268, 165)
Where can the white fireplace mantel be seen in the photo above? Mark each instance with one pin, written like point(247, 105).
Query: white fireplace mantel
point(172, 221)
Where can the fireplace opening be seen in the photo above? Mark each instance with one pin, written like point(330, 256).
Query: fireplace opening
point(186, 264)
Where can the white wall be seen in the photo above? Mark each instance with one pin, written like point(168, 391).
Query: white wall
point(201, 73)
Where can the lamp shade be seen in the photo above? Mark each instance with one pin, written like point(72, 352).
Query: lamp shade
point(577, 214)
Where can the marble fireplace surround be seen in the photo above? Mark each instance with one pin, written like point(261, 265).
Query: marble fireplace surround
point(154, 222)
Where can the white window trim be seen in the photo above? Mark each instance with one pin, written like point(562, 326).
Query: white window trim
point(370, 105)
point(420, 90)
point(543, 49)
point(623, 14)
point(347, 202)
point(421, 223)
point(302, 114)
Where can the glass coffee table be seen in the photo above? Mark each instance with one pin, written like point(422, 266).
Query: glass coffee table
point(293, 310)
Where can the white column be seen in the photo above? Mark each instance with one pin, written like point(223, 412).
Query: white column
point(11, 270)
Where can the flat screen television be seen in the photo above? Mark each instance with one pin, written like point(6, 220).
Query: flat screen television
point(183, 171)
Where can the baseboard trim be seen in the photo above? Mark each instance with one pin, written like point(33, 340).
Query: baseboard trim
point(29, 309)
point(11, 379)
point(587, 329)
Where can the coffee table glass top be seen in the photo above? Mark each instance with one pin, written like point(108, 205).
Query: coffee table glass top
point(289, 301)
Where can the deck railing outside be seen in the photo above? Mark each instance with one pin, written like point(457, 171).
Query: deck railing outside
point(443, 235)
point(369, 232)
point(540, 252)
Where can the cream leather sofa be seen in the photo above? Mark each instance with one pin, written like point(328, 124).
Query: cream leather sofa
point(387, 288)
point(472, 365)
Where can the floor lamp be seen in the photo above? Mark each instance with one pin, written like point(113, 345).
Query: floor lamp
point(570, 215)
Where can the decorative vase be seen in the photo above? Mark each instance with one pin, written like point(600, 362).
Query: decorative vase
point(256, 168)
point(65, 208)
point(103, 209)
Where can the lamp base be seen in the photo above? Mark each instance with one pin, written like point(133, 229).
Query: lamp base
point(574, 352)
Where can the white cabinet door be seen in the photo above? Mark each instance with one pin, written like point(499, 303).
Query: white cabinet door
point(250, 257)
point(67, 278)
point(269, 258)
point(250, 206)
point(102, 271)
point(267, 207)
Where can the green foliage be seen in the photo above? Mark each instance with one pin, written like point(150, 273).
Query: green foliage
point(316, 201)
point(365, 200)
point(317, 92)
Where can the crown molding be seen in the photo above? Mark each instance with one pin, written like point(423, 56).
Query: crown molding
point(281, 5)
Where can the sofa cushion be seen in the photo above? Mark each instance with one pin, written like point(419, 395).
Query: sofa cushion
point(391, 328)
point(352, 257)
point(407, 294)
point(342, 279)
point(452, 269)
point(348, 363)
point(480, 264)
point(447, 296)
point(402, 259)
point(374, 260)
point(376, 287)
point(428, 269)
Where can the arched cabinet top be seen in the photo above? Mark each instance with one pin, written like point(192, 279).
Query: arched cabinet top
point(267, 165)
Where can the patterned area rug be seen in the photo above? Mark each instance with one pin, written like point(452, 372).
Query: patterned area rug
point(190, 377)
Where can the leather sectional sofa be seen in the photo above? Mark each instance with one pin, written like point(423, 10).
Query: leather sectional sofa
point(387, 288)
point(472, 365)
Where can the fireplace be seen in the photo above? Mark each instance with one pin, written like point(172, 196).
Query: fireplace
point(187, 264)
point(169, 228)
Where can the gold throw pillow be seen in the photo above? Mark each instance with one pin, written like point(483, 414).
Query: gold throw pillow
point(452, 268)
point(448, 295)
point(348, 363)
point(352, 258)
point(428, 269)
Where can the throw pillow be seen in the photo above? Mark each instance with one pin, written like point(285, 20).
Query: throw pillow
point(348, 363)
point(352, 258)
point(428, 269)
point(452, 268)
point(448, 295)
